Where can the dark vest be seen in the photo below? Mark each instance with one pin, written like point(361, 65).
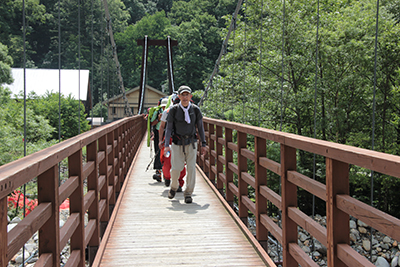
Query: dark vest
point(183, 132)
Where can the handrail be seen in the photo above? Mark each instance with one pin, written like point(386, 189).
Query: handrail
point(110, 150)
point(220, 167)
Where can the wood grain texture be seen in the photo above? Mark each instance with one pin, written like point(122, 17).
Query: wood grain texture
point(152, 230)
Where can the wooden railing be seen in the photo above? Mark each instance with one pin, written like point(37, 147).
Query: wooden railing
point(219, 165)
point(92, 188)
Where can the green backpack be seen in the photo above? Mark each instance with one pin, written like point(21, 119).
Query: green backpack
point(151, 112)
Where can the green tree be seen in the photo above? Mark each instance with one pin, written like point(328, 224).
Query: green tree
point(196, 26)
point(99, 110)
point(71, 123)
point(38, 129)
point(154, 26)
point(5, 65)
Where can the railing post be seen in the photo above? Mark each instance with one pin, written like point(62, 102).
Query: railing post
point(111, 169)
point(211, 145)
point(229, 196)
point(200, 158)
point(3, 231)
point(242, 167)
point(124, 151)
point(104, 189)
point(206, 167)
point(76, 205)
point(260, 150)
point(289, 199)
point(131, 142)
point(337, 221)
point(220, 166)
point(116, 162)
point(93, 211)
point(49, 233)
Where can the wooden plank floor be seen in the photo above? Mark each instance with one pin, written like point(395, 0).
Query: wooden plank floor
point(152, 230)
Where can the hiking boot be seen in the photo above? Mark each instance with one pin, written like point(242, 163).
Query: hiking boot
point(157, 177)
point(188, 199)
point(179, 189)
point(167, 182)
point(171, 194)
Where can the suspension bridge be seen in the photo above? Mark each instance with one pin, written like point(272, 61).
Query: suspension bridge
point(119, 215)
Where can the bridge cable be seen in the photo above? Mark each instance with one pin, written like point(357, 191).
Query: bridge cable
point(145, 47)
point(373, 114)
point(59, 77)
point(315, 114)
point(223, 50)
point(79, 66)
point(234, 63)
point(108, 75)
point(128, 111)
point(59, 87)
point(101, 71)
point(244, 63)
point(282, 79)
point(171, 76)
point(92, 74)
point(24, 43)
point(283, 63)
point(260, 65)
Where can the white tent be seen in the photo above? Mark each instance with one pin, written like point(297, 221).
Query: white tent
point(74, 82)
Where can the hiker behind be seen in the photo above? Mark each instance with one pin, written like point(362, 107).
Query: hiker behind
point(166, 160)
point(182, 121)
point(155, 121)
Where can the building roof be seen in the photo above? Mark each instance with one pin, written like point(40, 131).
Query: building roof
point(42, 80)
point(148, 87)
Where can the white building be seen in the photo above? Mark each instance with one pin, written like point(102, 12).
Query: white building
point(68, 82)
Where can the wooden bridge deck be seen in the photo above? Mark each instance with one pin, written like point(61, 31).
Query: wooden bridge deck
point(148, 229)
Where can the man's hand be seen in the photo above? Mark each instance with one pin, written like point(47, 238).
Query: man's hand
point(161, 144)
point(166, 149)
point(203, 150)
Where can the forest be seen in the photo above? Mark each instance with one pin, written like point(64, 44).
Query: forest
point(327, 69)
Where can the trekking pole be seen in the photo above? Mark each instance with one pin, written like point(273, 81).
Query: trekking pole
point(158, 152)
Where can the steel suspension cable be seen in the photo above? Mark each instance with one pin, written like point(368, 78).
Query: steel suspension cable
point(373, 113)
point(315, 112)
point(260, 64)
point(24, 44)
point(92, 81)
point(101, 71)
point(59, 76)
point(234, 59)
point(171, 76)
point(244, 64)
point(145, 46)
point(282, 78)
point(114, 47)
point(79, 67)
point(283, 63)
point(223, 49)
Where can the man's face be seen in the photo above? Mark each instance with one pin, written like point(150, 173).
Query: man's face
point(185, 98)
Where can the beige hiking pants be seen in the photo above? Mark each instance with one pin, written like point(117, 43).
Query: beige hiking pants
point(178, 160)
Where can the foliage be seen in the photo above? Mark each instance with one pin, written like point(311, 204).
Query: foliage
point(196, 26)
point(99, 110)
point(269, 80)
point(130, 53)
point(5, 65)
point(41, 125)
point(70, 115)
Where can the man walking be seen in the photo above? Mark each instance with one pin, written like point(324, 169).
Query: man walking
point(183, 118)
